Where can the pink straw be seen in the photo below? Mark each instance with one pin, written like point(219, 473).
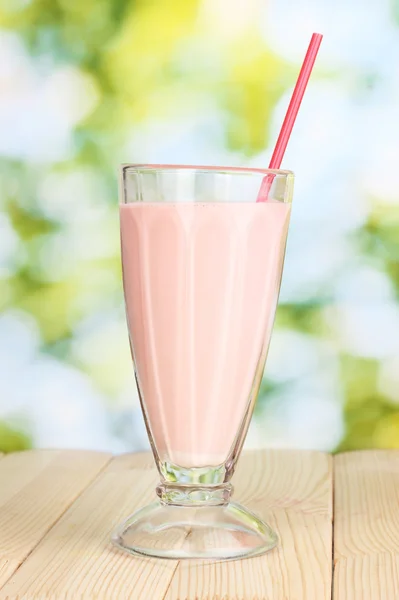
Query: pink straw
point(291, 114)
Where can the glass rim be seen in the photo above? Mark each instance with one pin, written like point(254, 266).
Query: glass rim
point(138, 168)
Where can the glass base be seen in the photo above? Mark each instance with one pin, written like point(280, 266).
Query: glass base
point(224, 532)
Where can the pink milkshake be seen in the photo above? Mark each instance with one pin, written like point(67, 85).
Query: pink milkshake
point(202, 256)
point(201, 284)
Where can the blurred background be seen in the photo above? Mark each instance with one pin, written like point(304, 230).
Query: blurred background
point(87, 85)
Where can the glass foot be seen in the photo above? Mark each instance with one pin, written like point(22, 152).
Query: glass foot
point(224, 532)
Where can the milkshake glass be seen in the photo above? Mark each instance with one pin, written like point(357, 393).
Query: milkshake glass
point(202, 264)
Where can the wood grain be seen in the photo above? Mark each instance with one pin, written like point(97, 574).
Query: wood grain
point(76, 559)
point(292, 491)
point(36, 488)
point(366, 530)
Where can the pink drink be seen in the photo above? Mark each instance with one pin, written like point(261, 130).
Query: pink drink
point(201, 285)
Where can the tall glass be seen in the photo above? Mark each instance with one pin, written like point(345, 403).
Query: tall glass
point(202, 264)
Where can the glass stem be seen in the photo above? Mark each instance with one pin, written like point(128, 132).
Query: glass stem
point(194, 495)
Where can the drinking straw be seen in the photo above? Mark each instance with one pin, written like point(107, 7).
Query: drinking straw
point(291, 114)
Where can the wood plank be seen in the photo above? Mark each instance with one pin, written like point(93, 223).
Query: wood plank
point(291, 489)
point(76, 558)
point(36, 487)
point(366, 526)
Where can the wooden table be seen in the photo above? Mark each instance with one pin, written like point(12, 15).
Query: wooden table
point(57, 509)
